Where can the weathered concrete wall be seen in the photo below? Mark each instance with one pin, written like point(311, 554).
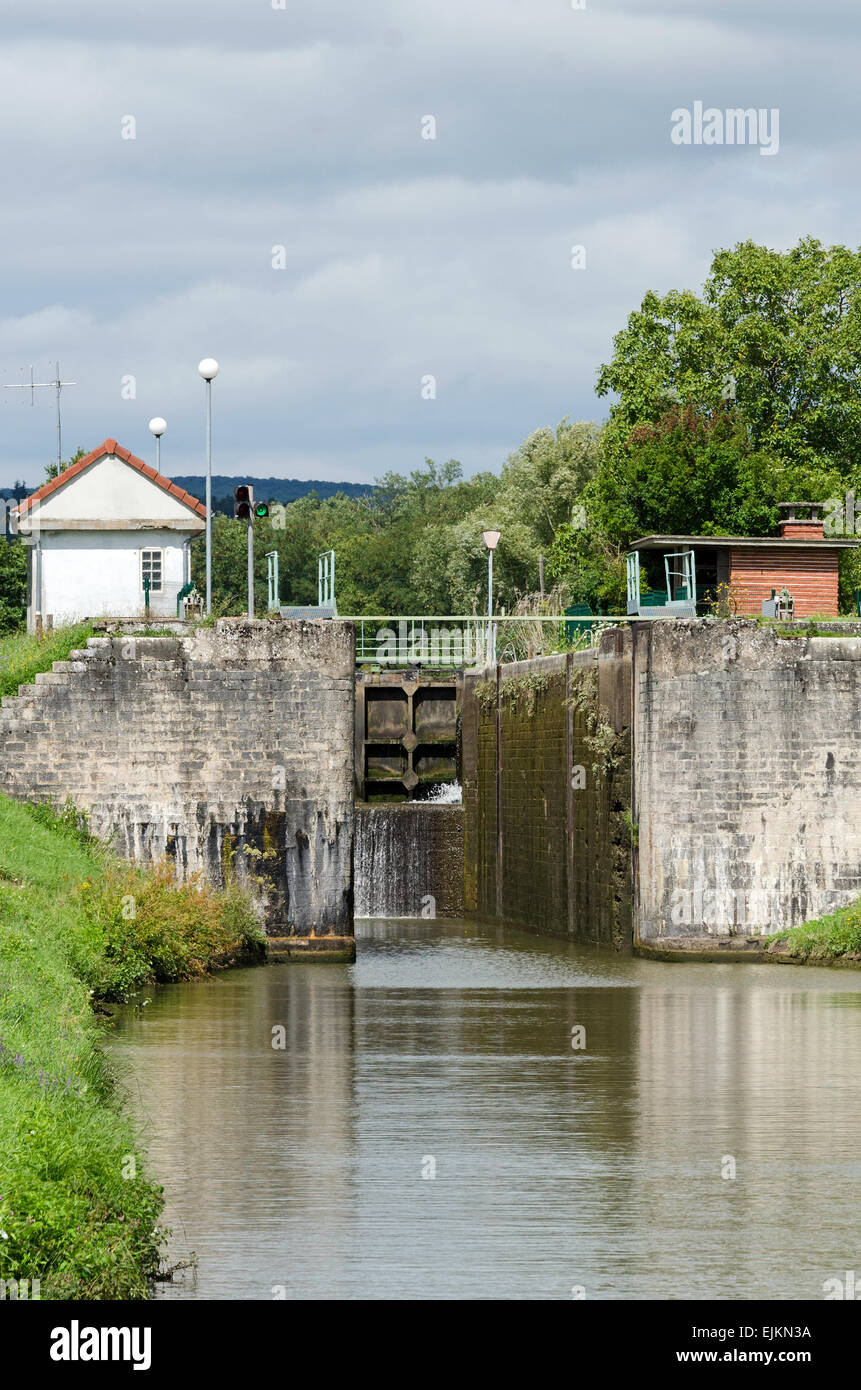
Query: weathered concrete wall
point(745, 792)
point(228, 751)
point(546, 778)
point(747, 785)
point(409, 860)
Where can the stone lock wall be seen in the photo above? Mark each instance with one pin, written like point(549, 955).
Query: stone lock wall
point(546, 788)
point(228, 751)
point(722, 793)
point(747, 778)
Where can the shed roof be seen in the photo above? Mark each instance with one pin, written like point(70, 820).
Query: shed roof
point(749, 542)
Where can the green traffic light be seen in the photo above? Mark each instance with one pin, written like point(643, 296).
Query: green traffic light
point(261, 509)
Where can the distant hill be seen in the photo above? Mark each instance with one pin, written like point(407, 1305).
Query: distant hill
point(265, 489)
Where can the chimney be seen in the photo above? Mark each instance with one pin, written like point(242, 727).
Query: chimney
point(793, 528)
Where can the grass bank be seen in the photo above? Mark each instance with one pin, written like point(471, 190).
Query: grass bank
point(77, 1209)
point(22, 656)
point(835, 939)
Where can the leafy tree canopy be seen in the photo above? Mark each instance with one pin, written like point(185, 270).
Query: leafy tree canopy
point(774, 337)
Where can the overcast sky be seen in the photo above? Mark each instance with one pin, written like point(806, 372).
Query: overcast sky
point(257, 127)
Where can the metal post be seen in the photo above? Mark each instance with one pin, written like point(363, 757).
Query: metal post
point(326, 580)
point(489, 606)
point(208, 498)
point(273, 586)
point(59, 429)
point(251, 562)
point(158, 453)
point(38, 594)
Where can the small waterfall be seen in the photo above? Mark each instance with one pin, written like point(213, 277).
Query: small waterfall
point(446, 794)
point(408, 859)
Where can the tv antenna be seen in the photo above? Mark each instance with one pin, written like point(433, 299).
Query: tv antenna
point(34, 386)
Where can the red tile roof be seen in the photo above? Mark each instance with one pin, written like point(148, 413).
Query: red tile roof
point(110, 446)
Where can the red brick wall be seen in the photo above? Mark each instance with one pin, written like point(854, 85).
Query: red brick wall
point(802, 530)
point(809, 575)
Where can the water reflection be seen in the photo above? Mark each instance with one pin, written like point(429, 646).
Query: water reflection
point(447, 1046)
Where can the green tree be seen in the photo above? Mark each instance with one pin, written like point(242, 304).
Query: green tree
point(13, 584)
point(727, 403)
point(775, 336)
point(53, 469)
point(537, 494)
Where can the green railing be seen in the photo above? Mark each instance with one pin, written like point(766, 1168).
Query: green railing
point(454, 640)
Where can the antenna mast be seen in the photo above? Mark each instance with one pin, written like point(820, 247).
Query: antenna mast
point(34, 386)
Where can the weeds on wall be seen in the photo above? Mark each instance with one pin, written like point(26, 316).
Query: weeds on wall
point(520, 693)
point(485, 695)
point(600, 737)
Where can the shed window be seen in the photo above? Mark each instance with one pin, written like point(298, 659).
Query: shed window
point(151, 569)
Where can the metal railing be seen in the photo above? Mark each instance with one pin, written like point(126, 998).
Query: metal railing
point(454, 640)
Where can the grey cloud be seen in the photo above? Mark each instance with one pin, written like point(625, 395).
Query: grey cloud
point(404, 257)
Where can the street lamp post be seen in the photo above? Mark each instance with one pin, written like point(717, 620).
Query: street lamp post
point(157, 427)
point(208, 369)
point(491, 540)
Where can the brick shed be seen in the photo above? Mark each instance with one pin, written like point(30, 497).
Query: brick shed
point(801, 559)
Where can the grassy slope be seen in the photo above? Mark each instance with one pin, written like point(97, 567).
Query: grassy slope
point(76, 1208)
point(21, 657)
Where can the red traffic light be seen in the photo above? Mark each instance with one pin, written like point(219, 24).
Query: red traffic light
point(243, 500)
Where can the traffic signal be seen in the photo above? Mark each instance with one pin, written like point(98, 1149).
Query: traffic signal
point(243, 500)
point(261, 509)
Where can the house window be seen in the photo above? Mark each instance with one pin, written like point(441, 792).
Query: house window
point(151, 569)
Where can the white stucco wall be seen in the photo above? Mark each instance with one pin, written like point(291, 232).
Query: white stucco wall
point(94, 574)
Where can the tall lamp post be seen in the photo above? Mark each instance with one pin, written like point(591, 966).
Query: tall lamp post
point(157, 427)
point(208, 369)
point(491, 540)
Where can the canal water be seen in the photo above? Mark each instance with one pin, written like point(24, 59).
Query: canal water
point(436, 1124)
